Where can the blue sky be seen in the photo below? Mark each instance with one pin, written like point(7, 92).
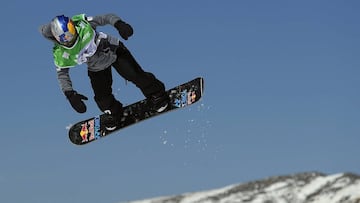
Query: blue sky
point(281, 97)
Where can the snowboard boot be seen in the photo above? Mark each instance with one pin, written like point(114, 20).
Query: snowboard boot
point(159, 101)
point(112, 121)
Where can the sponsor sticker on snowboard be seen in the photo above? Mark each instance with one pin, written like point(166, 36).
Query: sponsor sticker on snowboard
point(180, 96)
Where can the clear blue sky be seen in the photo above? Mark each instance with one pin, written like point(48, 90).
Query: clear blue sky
point(282, 96)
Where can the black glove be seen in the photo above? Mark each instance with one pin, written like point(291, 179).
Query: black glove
point(75, 100)
point(125, 30)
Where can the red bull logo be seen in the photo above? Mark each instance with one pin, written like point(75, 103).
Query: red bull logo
point(87, 131)
point(84, 132)
point(191, 97)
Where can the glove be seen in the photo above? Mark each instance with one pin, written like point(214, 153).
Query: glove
point(75, 100)
point(125, 30)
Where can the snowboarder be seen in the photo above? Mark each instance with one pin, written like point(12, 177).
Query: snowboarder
point(77, 41)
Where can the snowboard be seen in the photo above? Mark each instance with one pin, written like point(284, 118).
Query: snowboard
point(92, 129)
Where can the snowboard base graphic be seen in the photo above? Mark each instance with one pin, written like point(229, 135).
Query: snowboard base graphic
point(92, 129)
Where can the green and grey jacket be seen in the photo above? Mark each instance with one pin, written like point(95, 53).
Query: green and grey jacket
point(96, 49)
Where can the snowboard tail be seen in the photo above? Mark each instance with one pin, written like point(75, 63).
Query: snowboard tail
point(92, 129)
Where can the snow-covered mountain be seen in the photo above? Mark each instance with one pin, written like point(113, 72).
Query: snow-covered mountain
point(309, 187)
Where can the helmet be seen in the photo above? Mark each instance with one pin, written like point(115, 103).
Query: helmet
point(63, 30)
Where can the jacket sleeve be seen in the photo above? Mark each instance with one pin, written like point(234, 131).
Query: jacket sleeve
point(45, 30)
point(63, 73)
point(101, 20)
point(64, 79)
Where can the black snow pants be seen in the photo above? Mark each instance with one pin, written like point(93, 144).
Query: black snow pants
point(128, 68)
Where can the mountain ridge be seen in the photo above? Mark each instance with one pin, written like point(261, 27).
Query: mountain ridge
point(306, 187)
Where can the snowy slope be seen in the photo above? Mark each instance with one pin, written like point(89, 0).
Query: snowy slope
point(299, 188)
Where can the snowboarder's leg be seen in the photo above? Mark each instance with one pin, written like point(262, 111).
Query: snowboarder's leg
point(151, 87)
point(101, 83)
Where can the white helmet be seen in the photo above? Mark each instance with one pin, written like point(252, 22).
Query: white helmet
point(63, 29)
